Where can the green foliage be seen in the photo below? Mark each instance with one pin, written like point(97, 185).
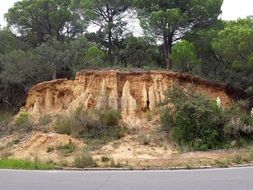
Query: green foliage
point(210, 64)
point(53, 53)
point(47, 39)
point(37, 20)
point(139, 52)
point(197, 122)
point(22, 118)
point(84, 160)
point(184, 56)
point(23, 68)
point(50, 149)
point(170, 20)
point(234, 44)
point(44, 120)
point(91, 124)
point(22, 164)
point(67, 148)
point(166, 119)
point(235, 41)
point(240, 124)
point(108, 15)
point(105, 159)
point(10, 42)
point(63, 125)
point(23, 122)
point(111, 118)
point(95, 56)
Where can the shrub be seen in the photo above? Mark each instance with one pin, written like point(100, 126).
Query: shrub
point(195, 121)
point(239, 123)
point(85, 123)
point(200, 123)
point(91, 124)
point(84, 160)
point(67, 148)
point(110, 118)
point(44, 120)
point(23, 121)
point(63, 125)
point(50, 149)
point(166, 119)
point(105, 159)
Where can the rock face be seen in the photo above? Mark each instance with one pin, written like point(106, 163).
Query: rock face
point(132, 93)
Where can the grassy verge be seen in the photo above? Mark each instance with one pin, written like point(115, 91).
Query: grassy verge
point(23, 164)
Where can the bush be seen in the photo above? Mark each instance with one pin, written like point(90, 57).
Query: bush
point(23, 121)
point(90, 124)
point(44, 120)
point(67, 148)
point(198, 122)
point(111, 118)
point(63, 125)
point(50, 149)
point(84, 160)
point(195, 121)
point(240, 124)
point(85, 123)
point(105, 159)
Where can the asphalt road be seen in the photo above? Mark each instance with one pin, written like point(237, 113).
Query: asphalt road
point(211, 179)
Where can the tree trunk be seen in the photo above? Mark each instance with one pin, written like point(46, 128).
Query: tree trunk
point(110, 23)
point(167, 46)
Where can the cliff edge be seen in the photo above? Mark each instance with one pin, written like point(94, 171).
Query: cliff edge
point(132, 93)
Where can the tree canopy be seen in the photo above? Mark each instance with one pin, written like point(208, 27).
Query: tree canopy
point(39, 19)
point(51, 39)
point(108, 15)
point(170, 20)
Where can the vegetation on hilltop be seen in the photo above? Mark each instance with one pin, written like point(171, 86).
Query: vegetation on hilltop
point(48, 39)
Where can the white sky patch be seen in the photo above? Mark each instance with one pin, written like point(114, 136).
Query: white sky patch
point(232, 9)
point(4, 6)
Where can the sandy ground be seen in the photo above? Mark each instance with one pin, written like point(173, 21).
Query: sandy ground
point(130, 151)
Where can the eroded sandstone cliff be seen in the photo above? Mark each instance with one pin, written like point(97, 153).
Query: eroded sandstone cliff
point(132, 93)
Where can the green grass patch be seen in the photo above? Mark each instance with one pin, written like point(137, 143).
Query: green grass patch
point(24, 164)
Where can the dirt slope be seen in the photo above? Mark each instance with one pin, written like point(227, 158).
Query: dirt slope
point(133, 93)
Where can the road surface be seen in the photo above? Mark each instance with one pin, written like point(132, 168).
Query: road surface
point(211, 179)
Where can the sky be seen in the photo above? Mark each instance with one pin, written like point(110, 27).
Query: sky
point(232, 9)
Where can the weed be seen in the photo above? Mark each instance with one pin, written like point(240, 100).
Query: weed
point(105, 159)
point(50, 149)
point(44, 120)
point(67, 148)
point(222, 163)
point(63, 125)
point(23, 122)
point(84, 160)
